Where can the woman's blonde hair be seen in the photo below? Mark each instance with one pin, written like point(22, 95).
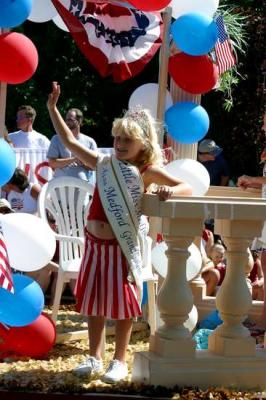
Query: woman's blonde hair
point(139, 124)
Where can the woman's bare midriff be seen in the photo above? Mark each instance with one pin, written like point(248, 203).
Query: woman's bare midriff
point(100, 229)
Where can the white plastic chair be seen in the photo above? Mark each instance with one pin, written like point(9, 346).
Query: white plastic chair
point(67, 199)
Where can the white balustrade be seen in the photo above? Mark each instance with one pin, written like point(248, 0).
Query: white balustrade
point(232, 358)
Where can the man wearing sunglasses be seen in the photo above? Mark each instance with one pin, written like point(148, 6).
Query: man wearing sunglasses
point(61, 159)
point(26, 136)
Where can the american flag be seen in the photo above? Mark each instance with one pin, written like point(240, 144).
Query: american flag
point(225, 58)
point(6, 280)
point(118, 41)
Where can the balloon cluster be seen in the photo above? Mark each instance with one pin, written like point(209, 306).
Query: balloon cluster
point(19, 54)
point(194, 34)
point(18, 51)
point(30, 246)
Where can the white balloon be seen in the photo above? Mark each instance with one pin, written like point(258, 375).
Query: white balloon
point(29, 240)
point(160, 261)
point(146, 96)
point(190, 323)
point(192, 320)
point(60, 23)
point(180, 7)
point(42, 11)
point(193, 172)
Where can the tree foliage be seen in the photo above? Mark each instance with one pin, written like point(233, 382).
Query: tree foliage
point(238, 131)
point(82, 87)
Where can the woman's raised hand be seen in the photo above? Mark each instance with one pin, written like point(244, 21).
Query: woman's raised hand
point(53, 96)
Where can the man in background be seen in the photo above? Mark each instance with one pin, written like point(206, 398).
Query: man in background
point(26, 136)
point(61, 159)
point(209, 155)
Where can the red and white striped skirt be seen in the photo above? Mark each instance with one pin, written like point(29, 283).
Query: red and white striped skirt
point(102, 287)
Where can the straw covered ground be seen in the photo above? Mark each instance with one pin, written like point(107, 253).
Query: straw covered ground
point(53, 373)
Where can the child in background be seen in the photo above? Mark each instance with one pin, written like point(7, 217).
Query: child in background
point(208, 235)
point(213, 271)
point(21, 194)
point(109, 281)
point(256, 277)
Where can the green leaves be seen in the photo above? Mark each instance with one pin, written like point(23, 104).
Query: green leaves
point(235, 25)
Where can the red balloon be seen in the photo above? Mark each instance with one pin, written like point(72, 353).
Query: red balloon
point(149, 5)
point(34, 340)
point(19, 58)
point(194, 74)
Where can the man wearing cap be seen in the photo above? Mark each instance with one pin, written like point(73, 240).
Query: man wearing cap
point(209, 155)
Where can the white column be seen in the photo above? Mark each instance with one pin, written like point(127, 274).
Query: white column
point(233, 299)
point(175, 299)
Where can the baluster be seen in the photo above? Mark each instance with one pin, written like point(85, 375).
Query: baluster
point(175, 299)
point(233, 299)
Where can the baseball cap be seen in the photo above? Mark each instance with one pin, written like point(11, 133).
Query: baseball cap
point(209, 146)
point(4, 204)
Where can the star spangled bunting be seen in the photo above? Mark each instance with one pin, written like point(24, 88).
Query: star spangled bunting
point(6, 281)
point(116, 40)
point(225, 58)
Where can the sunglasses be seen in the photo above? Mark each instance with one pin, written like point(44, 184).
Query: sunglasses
point(71, 120)
point(21, 117)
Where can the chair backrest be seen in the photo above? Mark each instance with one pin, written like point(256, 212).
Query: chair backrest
point(66, 201)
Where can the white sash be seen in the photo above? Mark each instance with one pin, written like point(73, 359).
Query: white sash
point(121, 189)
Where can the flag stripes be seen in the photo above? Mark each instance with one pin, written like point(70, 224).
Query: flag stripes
point(224, 54)
point(6, 281)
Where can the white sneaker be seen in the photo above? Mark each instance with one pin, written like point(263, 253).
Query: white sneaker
point(117, 371)
point(91, 366)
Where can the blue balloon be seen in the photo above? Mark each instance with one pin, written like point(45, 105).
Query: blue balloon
point(14, 12)
point(187, 122)
point(25, 305)
point(194, 33)
point(7, 162)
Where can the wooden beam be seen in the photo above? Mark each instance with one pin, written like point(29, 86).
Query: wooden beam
point(163, 71)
